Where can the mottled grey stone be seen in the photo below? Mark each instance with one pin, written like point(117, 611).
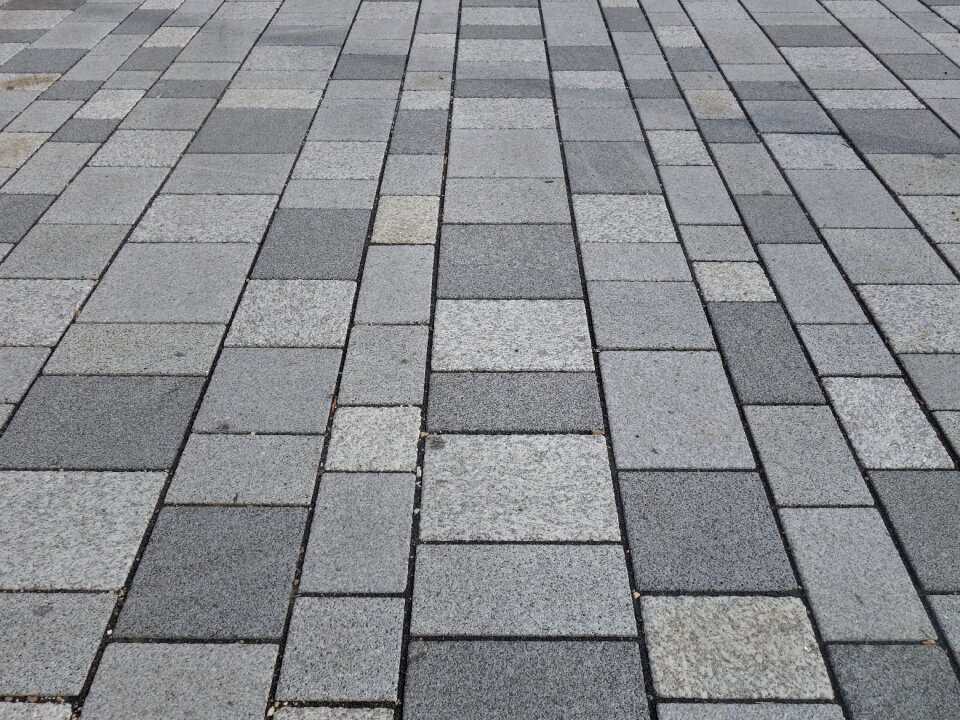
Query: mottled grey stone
point(384, 366)
point(36, 312)
point(847, 199)
point(888, 256)
point(610, 167)
point(917, 318)
point(697, 196)
point(205, 219)
point(252, 130)
point(229, 174)
point(374, 439)
point(847, 350)
point(18, 367)
point(623, 219)
point(759, 711)
point(313, 244)
point(129, 190)
point(775, 219)
point(64, 251)
point(505, 200)
point(637, 262)
point(396, 285)
point(947, 610)
point(937, 379)
point(35, 711)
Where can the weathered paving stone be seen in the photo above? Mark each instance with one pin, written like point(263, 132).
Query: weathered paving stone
point(488, 680)
point(384, 366)
point(374, 439)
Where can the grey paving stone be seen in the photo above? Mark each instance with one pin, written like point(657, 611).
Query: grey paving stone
point(748, 169)
point(219, 682)
point(206, 219)
point(759, 711)
point(143, 148)
point(897, 131)
point(18, 367)
point(763, 354)
point(788, 116)
point(635, 262)
point(269, 390)
point(71, 90)
point(412, 175)
point(168, 114)
point(129, 190)
point(340, 160)
point(947, 610)
point(43, 60)
point(505, 200)
point(230, 174)
point(489, 680)
point(502, 113)
point(847, 350)
point(896, 682)
point(18, 213)
point(610, 167)
point(703, 532)
point(937, 379)
point(364, 119)
point(733, 282)
point(504, 153)
point(64, 251)
point(85, 130)
point(847, 199)
point(72, 530)
point(343, 649)
point(136, 349)
point(215, 573)
point(672, 410)
point(936, 215)
point(919, 507)
point(419, 132)
point(313, 245)
point(242, 469)
point(521, 590)
point(396, 285)
point(715, 243)
point(370, 67)
point(384, 366)
point(622, 219)
point(916, 318)
point(508, 261)
point(360, 538)
point(888, 256)
point(333, 713)
point(813, 152)
point(605, 124)
point(733, 648)
point(775, 219)
point(51, 168)
point(100, 423)
point(35, 711)
point(252, 130)
point(374, 439)
point(407, 220)
point(53, 656)
point(697, 196)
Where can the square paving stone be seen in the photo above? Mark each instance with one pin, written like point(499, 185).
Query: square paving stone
point(385, 366)
point(847, 350)
point(247, 469)
point(269, 390)
point(888, 256)
point(407, 219)
point(920, 507)
point(230, 174)
point(205, 219)
point(672, 410)
point(252, 130)
point(763, 354)
point(733, 648)
point(703, 532)
point(343, 649)
point(505, 200)
point(313, 245)
point(511, 335)
point(812, 288)
point(412, 175)
point(49, 641)
point(177, 682)
point(775, 219)
point(504, 153)
point(293, 313)
point(419, 132)
point(103, 423)
point(374, 439)
point(628, 218)
point(215, 573)
point(649, 315)
point(396, 285)
point(758, 711)
point(917, 318)
point(18, 367)
point(697, 196)
point(171, 283)
point(36, 312)
point(937, 379)
point(853, 575)
point(524, 680)
point(508, 261)
point(610, 167)
point(896, 682)
point(521, 590)
point(518, 488)
point(129, 190)
point(72, 530)
point(360, 537)
point(64, 251)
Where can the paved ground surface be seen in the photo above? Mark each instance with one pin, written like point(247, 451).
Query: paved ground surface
point(367, 360)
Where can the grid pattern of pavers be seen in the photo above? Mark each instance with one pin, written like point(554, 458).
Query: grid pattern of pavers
point(448, 359)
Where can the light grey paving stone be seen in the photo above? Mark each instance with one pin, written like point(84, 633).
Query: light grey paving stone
point(919, 505)
point(521, 590)
point(242, 469)
point(340, 160)
point(788, 116)
point(634, 261)
point(51, 168)
point(374, 439)
point(733, 282)
point(100, 423)
point(35, 711)
point(917, 318)
point(72, 530)
point(885, 424)
point(697, 196)
point(896, 681)
point(610, 167)
point(936, 215)
point(759, 711)
point(504, 153)
point(230, 174)
point(718, 243)
point(343, 649)
point(205, 218)
point(937, 379)
point(511, 335)
point(502, 113)
point(215, 573)
point(168, 114)
point(748, 169)
point(847, 350)
point(18, 367)
point(887, 256)
point(36, 312)
point(505, 200)
point(623, 218)
point(918, 174)
point(143, 148)
point(950, 424)
point(678, 147)
point(947, 610)
point(49, 641)
point(648, 316)
point(853, 575)
point(384, 366)
point(517, 488)
point(129, 190)
point(269, 390)
point(672, 410)
point(812, 288)
point(360, 537)
point(733, 648)
point(136, 349)
point(412, 175)
point(332, 713)
point(812, 152)
point(847, 199)
point(407, 219)
point(64, 251)
point(805, 456)
point(219, 682)
point(293, 313)
point(396, 286)
point(171, 283)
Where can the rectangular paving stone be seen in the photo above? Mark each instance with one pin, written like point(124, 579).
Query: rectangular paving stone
point(888, 256)
point(143, 148)
point(505, 200)
point(775, 219)
point(129, 190)
point(758, 711)
point(205, 219)
point(313, 245)
point(252, 130)
point(504, 153)
point(520, 586)
point(384, 366)
point(947, 610)
point(637, 262)
point(354, 119)
point(623, 219)
point(374, 439)
point(847, 350)
point(717, 243)
point(64, 251)
point(733, 282)
point(396, 285)
point(937, 379)
point(51, 168)
point(406, 219)
point(215, 573)
point(230, 174)
point(916, 318)
point(72, 531)
point(847, 199)
point(340, 160)
point(360, 537)
point(18, 368)
point(697, 196)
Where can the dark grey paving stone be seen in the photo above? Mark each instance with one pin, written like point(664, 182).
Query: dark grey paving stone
point(64, 251)
point(215, 573)
point(610, 167)
point(370, 67)
point(897, 131)
point(703, 532)
point(252, 130)
point(763, 354)
point(789, 116)
point(71, 89)
point(384, 366)
point(650, 89)
point(922, 507)
point(142, 22)
point(583, 57)
point(85, 130)
point(769, 90)
point(921, 67)
point(689, 59)
point(313, 245)
point(43, 60)
point(514, 402)
point(775, 219)
point(625, 19)
point(500, 32)
point(497, 262)
point(18, 213)
point(896, 682)
point(420, 132)
point(150, 59)
point(18, 367)
point(512, 87)
point(102, 423)
point(736, 130)
point(811, 36)
point(524, 680)
point(171, 88)
point(937, 378)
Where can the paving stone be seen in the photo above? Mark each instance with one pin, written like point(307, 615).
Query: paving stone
point(333, 713)
point(888, 256)
point(72, 531)
point(64, 251)
point(143, 148)
point(636, 262)
point(396, 285)
point(229, 174)
point(936, 215)
point(313, 245)
point(733, 647)
point(35, 711)
point(916, 318)
point(129, 189)
point(847, 350)
point(419, 132)
point(788, 116)
point(947, 610)
point(252, 130)
point(697, 196)
point(179, 681)
point(610, 167)
point(205, 218)
point(269, 390)
point(340, 160)
point(897, 131)
point(54, 656)
point(374, 439)
point(733, 282)
point(51, 168)
point(717, 243)
point(18, 367)
point(758, 711)
point(631, 218)
point(504, 153)
point(343, 649)
point(384, 366)
point(502, 113)
point(847, 199)
point(748, 169)
point(936, 378)
point(360, 538)
point(247, 469)
point(505, 200)
point(407, 220)
point(215, 573)
point(412, 175)
point(18, 213)
point(812, 152)
point(775, 219)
